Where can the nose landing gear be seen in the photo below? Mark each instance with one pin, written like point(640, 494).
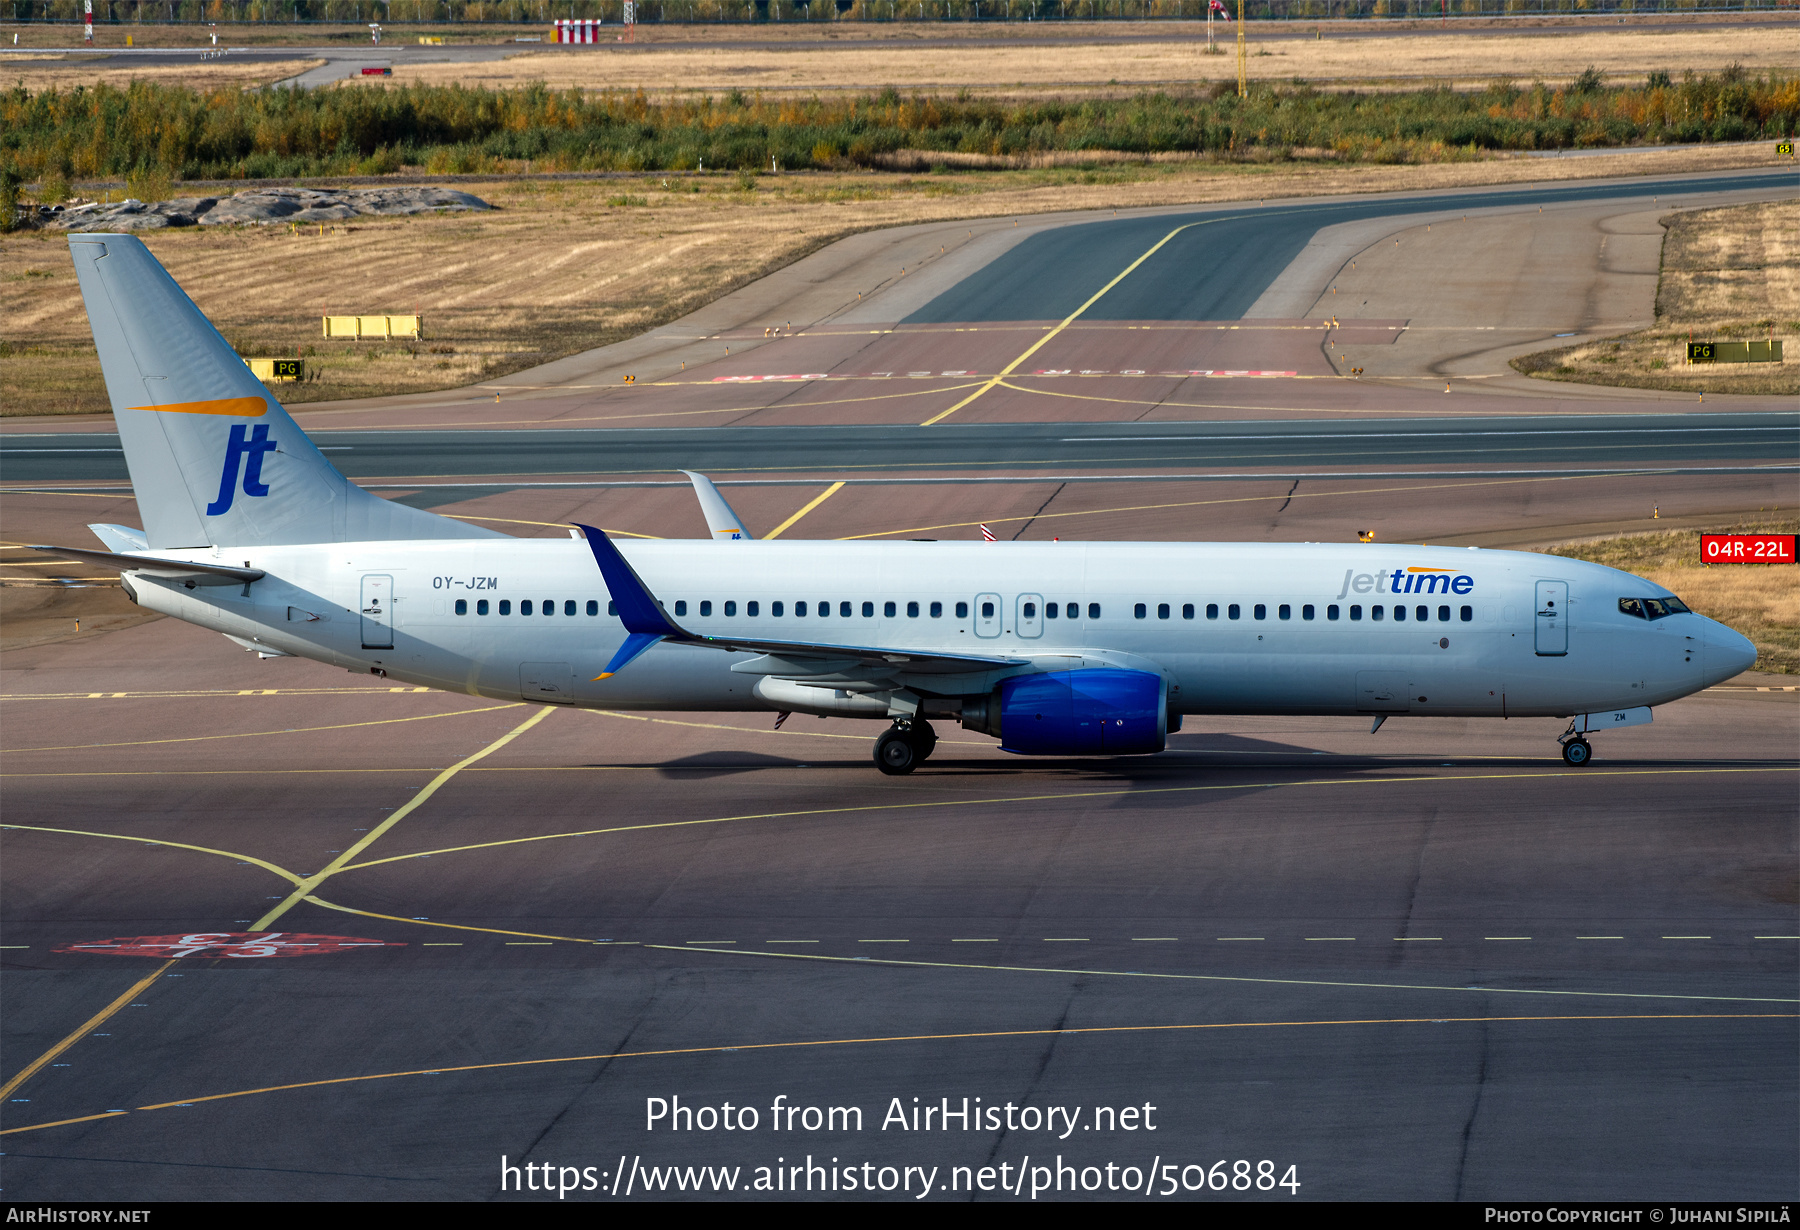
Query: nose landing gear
point(904, 746)
point(1577, 751)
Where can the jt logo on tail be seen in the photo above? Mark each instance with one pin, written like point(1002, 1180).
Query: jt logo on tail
point(235, 452)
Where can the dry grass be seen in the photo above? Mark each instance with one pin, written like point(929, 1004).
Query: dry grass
point(1762, 601)
point(1103, 64)
point(66, 72)
point(1731, 273)
point(558, 269)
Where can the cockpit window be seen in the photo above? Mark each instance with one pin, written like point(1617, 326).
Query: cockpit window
point(1652, 608)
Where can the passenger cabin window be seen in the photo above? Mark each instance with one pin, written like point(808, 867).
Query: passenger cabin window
point(481, 606)
point(1376, 612)
point(1284, 611)
point(987, 610)
point(706, 608)
point(962, 610)
point(1212, 610)
point(506, 606)
point(1331, 612)
point(1051, 610)
point(1399, 614)
point(868, 610)
point(1162, 610)
point(844, 609)
point(730, 610)
point(1468, 614)
point(1422, 613)
point(1074, 610)
point(1356, 613)
point(776, 608)
point(912, 610)
point(799, 609)
point(1306, 612)
point(937, 610)
point(1093, 610)
point(681, 606)
point(1261, 612)
point(1031, 610)
point(593, 606)
point(1140, 610)
point(751, 609)
point(569, 606)
point(889, 609)
point(1234, 611)
point(612, 608)
point(824, 610)
point(462, 606)
point(1187, 610)
point(1443, 615)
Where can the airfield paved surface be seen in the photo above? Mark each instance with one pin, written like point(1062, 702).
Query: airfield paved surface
point(1431, 962)
point(1299, 942)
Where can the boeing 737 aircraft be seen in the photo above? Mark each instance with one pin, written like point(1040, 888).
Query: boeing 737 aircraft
point(1056, 649)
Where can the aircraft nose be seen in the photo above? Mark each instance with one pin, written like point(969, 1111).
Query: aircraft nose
point(1728, 653)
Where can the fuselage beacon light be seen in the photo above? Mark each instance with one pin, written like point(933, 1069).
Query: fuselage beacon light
point(1056, 649)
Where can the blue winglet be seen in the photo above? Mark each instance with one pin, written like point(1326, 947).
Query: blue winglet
point(634, 644)
point(638, 609)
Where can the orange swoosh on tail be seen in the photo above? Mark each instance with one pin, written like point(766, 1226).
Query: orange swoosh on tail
point(237, 407)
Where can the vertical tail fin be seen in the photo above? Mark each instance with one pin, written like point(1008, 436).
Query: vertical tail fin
point(214, 459)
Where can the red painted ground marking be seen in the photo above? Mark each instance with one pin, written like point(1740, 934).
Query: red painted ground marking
point(226, 944)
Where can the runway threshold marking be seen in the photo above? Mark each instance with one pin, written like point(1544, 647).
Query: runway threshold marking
point(1285, 982)
point(898, 1038)
point(305, 888)
point(658, 414)
point(257, 734)
point(1070, 318)
point(806, 508)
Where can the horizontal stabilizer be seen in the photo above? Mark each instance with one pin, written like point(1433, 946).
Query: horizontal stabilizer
point(171, 569)
point(121, 537)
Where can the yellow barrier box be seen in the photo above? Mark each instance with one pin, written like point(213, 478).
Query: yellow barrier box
point(359, 327)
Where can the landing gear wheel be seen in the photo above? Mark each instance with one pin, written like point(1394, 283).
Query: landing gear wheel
point(895, 754)
point(924, 739)
point(1577, 752)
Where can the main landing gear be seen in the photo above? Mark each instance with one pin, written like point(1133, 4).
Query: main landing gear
point(1577, 751)
point(904, 746)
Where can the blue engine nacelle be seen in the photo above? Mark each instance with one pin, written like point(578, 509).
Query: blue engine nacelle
point(1100, 711)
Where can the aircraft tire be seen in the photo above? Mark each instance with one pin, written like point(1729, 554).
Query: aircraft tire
point(895, 754)
point(924, 740)
point(1577, 752)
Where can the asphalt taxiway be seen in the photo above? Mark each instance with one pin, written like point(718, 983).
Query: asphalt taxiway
point(1431, 962)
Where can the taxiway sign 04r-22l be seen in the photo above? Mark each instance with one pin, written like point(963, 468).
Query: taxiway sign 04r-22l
point(1056, 649)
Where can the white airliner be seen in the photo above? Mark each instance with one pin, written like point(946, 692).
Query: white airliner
point(1057, 649)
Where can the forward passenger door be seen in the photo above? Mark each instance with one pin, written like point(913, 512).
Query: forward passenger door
point(1552, 619)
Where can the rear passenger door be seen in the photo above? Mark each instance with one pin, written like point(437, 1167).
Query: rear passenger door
point(987, 615)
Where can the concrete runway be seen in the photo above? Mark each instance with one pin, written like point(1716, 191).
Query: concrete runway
point(1519, 444)
point(1432, 963)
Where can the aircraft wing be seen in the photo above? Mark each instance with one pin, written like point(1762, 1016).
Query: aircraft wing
point(172, 569)
point(724, 524)
point(647, 623)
